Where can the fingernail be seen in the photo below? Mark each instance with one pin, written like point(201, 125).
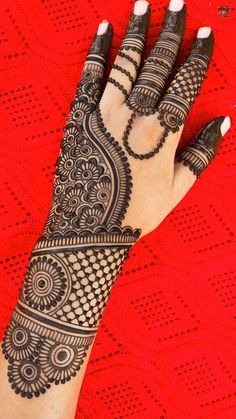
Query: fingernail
point(176, 5)
point(211, 135)
point(140, 7)
point(102, 27)
point(225, 126)
point(204, 32)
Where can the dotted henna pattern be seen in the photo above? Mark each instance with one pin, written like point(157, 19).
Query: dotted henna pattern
point(84, 244)
point(81, 251)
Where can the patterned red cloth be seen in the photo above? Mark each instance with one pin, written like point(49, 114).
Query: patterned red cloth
point(166, 345)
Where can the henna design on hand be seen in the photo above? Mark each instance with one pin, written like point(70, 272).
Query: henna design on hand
point(134, 40)
point(130, 59)
point(173, 109)
point(84, 242)
point(82, 249)
point(199, 154)
point(158, 66)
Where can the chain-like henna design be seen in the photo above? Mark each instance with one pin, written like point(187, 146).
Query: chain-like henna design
point(124, 71)
point(81, 251)
point(128, 148)
point(198, 155)
point(181, 94)
point(84, 243)
point(158, 66)
point(119, 85)
point(130, 59)
point(134, 40)
point(152, 79)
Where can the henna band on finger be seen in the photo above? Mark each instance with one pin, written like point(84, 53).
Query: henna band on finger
point(124, 71)
point(180, 96)
point(155, 72)
point(197, 157)
point(135, 36)
point(130, 59)
point(199, 154)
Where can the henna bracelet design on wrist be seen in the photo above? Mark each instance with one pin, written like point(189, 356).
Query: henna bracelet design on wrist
point(84, 243)
point(82, 249)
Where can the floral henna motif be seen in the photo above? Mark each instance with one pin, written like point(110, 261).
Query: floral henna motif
point(84, 243)
point(80, 253)
point(75, 262)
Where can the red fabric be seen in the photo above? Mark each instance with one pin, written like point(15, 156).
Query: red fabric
point(166, 345)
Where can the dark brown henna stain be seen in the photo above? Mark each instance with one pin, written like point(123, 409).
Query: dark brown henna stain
point(158, 66)
point(180, 96)
point(199, 154)
point(82, 249)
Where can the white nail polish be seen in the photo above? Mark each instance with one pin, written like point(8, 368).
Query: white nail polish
point(102, 27)
point(204, 32)
point(175, 5)
point(225, 126)
point(140, 7)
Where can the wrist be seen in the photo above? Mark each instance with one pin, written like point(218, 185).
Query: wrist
point(66, 288)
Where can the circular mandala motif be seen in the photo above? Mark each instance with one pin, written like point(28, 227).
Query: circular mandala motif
point(88, 171)
point(100, 192)
point(45, 283)
point(78, 111)
point(69, 139)
point(18, 342)
point(27, 379)
point(172, 121)
point(90, 218)
point(72, 201)
point(60, 362)
point(65, 165)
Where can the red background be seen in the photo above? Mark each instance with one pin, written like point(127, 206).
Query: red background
point(166, 345)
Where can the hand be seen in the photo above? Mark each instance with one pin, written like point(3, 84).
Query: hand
point(102, 185)
point(116, 179)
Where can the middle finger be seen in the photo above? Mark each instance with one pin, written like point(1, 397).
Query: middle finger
point(158, 66)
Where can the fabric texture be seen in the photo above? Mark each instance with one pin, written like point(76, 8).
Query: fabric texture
point(166, 344)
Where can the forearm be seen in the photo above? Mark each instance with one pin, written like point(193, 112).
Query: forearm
point(49, 338)
point(58, 403)
point(109, 174)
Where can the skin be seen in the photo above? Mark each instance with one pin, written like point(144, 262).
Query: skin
point(160, 181)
